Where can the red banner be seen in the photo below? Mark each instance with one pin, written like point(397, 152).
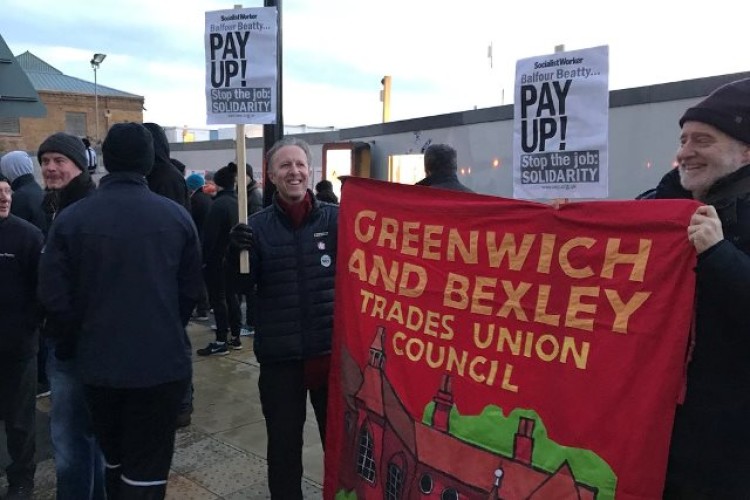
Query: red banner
point(503, 349)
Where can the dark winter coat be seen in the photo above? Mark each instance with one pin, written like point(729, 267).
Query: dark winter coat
point(220, 220)
point(164, 178)
point(27, 200)
point(200, 205)
point(710, 450)
point(254, 198)
point(294, 271)
point(20, 248)
point(56, 201)
point(122, 269)
point(444, 181)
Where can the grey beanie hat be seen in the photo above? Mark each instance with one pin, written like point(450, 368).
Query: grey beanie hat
point(15, 164)
point(67, 145)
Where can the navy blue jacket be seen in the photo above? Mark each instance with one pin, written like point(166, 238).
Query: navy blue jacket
point(122, 266)
point(294, 270)
point(20, 247)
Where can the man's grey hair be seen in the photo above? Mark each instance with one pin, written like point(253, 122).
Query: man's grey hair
point(288, 141)
point(440, 158)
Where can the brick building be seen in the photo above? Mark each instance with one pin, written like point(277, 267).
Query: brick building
point(70, 104)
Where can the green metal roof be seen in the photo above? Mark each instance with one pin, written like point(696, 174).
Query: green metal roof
point(45, 77)
point(18, 96)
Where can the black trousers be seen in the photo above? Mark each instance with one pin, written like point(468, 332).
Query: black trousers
point(223, 299)
point(283, 398)
point(18, 410)
point(136, 431)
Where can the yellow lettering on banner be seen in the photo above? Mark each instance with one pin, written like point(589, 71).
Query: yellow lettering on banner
point(366, 297)
point(414, 318)
point(454, 363)
point(540, 313)
point(378, 270)
point(576, 306)
point(513, 303)
point(430, 323)
point(480, 294)
point(565, 264)
point(546, 249)
point(410, 238)
point(431, 244)
point(468, 254)
point(507, 385)
point(612, 257)
point(378, 307)
point(623, 310)
point(456, 294)
point(397, 338)
point(546, 347)
point(388, 232)
point(395, 313)
point(357, 264)
point(516, 256)
point(418, 288)
point(364, 235)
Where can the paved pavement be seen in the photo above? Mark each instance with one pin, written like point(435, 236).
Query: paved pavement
point(221, 455)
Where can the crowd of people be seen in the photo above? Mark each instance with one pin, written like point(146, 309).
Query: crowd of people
point(110, 275)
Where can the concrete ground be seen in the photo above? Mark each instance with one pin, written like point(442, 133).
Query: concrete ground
point(221, 455)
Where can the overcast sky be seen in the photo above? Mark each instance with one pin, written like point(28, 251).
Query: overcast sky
point(335, 52)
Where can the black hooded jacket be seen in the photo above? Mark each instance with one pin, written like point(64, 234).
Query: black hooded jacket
point(164, 178)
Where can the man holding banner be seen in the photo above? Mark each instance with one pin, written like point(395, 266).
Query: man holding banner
point(710, 449)
point(292, 247)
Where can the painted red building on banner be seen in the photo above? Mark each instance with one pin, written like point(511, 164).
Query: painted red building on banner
point(391, 456)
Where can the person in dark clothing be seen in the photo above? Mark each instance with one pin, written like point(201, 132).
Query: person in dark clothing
point(709, 454)
point(20, 247)
point(441, 168)
point(165, 179)
point(79, 465)
point(216, 266)
point(292, 246)
point(28, 195)
point(200, 205)
point(179, 165)
point(254, 204)
point(123, 283)
point(324, 192)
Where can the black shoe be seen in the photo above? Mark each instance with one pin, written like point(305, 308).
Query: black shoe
point(19, 492)
point(234, 343)
point(214, 349)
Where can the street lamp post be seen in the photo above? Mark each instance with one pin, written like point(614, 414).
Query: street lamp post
point(95, 62)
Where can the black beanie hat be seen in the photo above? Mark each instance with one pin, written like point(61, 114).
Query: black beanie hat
point(66, 145)
point(225, 177)
point(128, 147)
point(727, 108)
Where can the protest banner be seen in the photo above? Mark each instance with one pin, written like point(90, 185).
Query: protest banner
point(504, 349)
point(560, 128)
point(241, 48)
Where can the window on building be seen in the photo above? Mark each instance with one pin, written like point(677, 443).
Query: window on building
point(75, 124)
point(425, 484)
point(10, 126)
point(394, 485)
point(365, 456)
point(449, 494)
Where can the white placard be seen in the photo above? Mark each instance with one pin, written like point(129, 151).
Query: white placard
point(241, 76)
point(560, 129)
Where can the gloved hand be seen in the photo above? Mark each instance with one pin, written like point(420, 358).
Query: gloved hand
point(241, 237)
